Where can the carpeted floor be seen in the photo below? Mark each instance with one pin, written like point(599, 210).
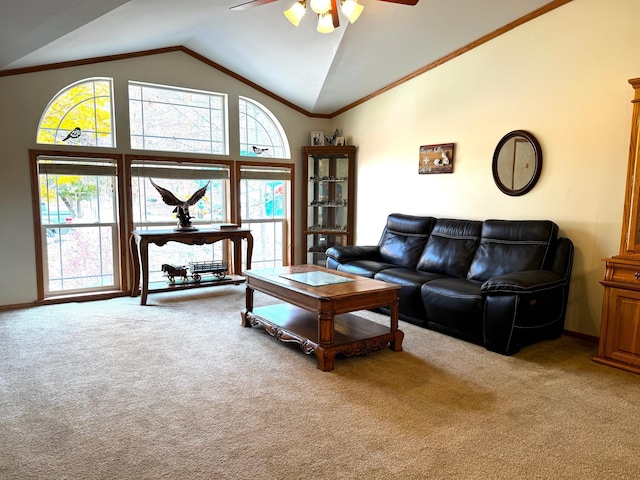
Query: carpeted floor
point(179, 390)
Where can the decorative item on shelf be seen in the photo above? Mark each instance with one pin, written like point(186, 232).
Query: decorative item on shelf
point(327, 178)
point(319, 248)
point(181, 207)
point(331, 140)
point(328, 228)
point(436, 158)
point(225, 226)
point(317, 139)
point(171, 272)
point(218, 269)
point(340, 142)
point(328, 203)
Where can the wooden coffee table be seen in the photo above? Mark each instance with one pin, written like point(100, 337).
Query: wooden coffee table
point(317, 316)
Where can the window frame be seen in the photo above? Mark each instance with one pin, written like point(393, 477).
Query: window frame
point(288, 222)
point(129, 162)
point(120, 249)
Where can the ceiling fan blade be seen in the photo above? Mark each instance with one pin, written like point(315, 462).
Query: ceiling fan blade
point(403, 2)
point(251, 4)
point(334, 14)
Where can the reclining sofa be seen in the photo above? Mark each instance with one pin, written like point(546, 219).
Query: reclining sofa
point(502, 284)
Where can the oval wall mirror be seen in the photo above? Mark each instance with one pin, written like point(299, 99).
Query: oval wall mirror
point(517, 163)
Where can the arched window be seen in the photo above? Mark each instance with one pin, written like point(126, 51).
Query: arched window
point(261, 135)
point(80, 114)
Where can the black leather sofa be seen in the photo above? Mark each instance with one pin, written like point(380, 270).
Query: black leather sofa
point(502, 284)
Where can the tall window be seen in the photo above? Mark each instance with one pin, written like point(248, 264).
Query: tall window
point(265, 199)
point(177, 119)
point(182, 179)
point(81, 114)
point(78, 224)
point(261, 135)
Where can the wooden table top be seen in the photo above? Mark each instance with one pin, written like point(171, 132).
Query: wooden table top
point(353, 285)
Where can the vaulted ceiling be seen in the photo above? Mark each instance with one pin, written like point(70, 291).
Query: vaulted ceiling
point(320, 74)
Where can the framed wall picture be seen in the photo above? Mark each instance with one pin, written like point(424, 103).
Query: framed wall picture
point(317, 139)
point(436, 158)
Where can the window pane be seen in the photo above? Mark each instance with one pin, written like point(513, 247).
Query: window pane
point(151, 212)
point(261, 134)
point(183, 180)
point(78, 207)
point(265, 199)
point(81, 114)
point(179, 120)
point(80, 259)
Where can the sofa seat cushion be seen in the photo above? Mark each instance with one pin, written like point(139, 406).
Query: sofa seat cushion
point(456, 303)
point(410, 296)
point(365, 268)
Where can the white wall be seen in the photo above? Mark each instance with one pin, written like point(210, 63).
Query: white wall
point(563, 77)
point(23, 99)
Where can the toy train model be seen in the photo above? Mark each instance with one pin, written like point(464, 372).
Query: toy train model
point(195, 270)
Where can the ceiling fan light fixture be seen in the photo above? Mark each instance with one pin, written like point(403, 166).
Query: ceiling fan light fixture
point(325, 23)
point(296, 12)
point(352, 9)
point(320, 6)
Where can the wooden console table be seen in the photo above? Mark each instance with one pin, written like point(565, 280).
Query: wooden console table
point(139, 247)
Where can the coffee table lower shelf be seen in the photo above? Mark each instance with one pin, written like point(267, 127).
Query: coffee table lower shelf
point(353, 335)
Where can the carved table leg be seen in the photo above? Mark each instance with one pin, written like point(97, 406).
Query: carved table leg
point(396, 343)
point(325, 329)
point(325, 353)
point(144, 261)
point(325, 358)
point(248, 307)
point(135, 266)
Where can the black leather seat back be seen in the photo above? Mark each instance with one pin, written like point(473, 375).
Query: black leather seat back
point(451, 247)
point(404, 238)
point(508, 246)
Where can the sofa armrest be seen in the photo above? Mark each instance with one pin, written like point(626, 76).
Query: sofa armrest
point(531, 281)
point(348, 253)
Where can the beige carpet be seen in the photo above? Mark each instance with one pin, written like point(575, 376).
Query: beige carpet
point(179, 390)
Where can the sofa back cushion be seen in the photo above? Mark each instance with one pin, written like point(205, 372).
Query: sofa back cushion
point(508, 246)
point(403, 239)
point(451, 247)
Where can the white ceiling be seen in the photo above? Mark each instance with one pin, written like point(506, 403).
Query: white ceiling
point(319, 73)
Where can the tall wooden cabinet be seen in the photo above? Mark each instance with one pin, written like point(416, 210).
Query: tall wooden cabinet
point(329, 174)
point(620, 324)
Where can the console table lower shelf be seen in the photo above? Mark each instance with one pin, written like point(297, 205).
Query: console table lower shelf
point(156, 287)
point(353, 335)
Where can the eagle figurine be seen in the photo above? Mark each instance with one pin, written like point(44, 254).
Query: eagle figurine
point(182, 207)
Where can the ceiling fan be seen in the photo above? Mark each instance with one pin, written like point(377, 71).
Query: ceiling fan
point(331, 9)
